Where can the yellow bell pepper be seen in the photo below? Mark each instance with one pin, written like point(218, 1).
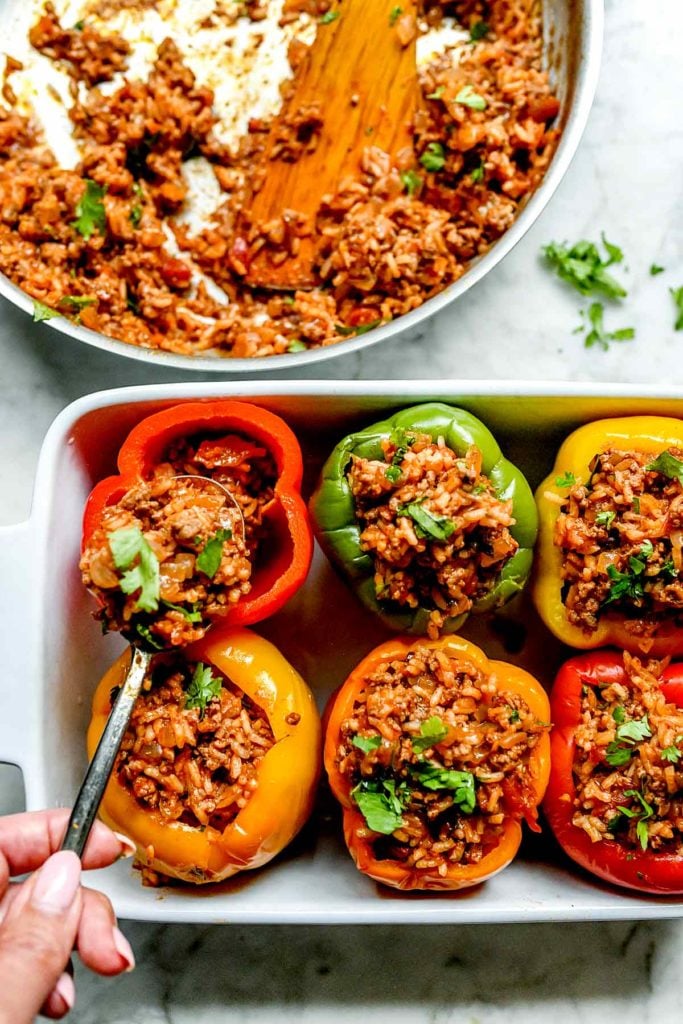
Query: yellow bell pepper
point(651, 435)
point(287, 776)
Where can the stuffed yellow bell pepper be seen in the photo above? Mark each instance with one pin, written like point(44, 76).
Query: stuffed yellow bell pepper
point(609, 567)
point(218, 769)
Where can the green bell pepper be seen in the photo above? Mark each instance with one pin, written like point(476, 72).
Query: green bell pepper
point(338, 531)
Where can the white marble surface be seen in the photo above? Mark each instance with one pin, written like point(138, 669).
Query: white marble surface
point(625, 180)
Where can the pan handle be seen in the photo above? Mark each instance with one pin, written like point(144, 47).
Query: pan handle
point(17, 646)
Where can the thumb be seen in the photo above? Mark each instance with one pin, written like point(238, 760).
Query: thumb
point(37, 937)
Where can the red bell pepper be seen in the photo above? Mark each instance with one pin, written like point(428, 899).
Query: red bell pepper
point(285, 555)
point(652, 871)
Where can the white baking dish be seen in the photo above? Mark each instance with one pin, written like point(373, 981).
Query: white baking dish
point(54, 654)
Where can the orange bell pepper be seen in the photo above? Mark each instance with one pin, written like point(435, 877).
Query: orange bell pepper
point(287, 776)
point(649, 434)
point(361, 840)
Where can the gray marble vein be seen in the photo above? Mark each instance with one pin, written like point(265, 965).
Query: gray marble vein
point(626, 180)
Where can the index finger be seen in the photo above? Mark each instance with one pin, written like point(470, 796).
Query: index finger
point(27, 840)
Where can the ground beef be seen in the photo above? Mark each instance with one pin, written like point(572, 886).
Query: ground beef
point(431, 520)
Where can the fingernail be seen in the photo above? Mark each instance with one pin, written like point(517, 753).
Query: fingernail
point(57, 882)
point(128, 846)
point(66, 990)
point(123, 948)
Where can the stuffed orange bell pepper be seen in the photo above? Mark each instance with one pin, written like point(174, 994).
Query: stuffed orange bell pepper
point(218, 769)
point(436, 754)
point(613, 800)
point(609, 566)
point(203, 523)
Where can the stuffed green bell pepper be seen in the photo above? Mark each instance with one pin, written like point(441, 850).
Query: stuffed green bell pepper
point(426, 519)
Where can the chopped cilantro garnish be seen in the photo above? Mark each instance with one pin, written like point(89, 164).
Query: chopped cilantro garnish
point(616, 755)
point(437, 94)
point(393, 473)
point(191, 614)
point(644, 812)
point(329, 16)
point(209, 558)
point(411, 181)
point(469, 98)
point(619, 715)
point(634, 730)
point(628, 733)
point(478, 173)
point(79, 26)
point(347, 331)
point(479, 31)
point(381, 804)
point(42, 312)
point(598, 335)
point(367, 743)
point(90, 212)
point(296, 345)
point(605, 519)
point(565, 480)
point(128, 545)
point(514, 715)
point(145, 633)
point(77, 301)
point(394, 14)
point(434, 157)
point(655, 269)
point(439, 528)
point(582, 266)
point(434, 777)
point(203, 688)
point(677, 296)
point(671, 754)
point(432, 731)
point(668, 465)
point(135, 215)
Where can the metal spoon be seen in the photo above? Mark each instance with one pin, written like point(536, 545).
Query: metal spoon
point(96, 777)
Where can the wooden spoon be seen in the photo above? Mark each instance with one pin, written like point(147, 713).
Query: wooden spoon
point(357, 87)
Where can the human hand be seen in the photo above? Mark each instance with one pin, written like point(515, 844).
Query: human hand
point(45, 917)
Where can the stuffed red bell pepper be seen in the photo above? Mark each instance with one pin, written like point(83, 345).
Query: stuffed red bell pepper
point(203, 523)
point(615, 796)
point(436, 754)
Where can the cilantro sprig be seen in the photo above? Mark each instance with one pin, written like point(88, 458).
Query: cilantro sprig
point(598, 334)
point(629, 733)
point(642, 812)
point(209, 558)
point(434, 157)
point(677, 296)
point(668, 465)
point(582, 266)
point(432, 731)
point(202, 688)
point(381, 803)
point(367, 743)
point(433, 777)
point(134, 557)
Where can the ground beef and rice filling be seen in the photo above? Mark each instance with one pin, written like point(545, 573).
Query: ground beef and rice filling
point(193, 747)
point(627, 766)
point(393, 236)
point(621, 536)
point(203, 538)
point(447, 753)
point(438, 533)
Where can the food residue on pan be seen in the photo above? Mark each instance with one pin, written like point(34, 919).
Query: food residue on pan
point(130, 140)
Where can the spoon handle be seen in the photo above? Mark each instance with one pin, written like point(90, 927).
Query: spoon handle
point(99, 770)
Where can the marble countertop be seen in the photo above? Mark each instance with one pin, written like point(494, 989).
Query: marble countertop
point(625, 181)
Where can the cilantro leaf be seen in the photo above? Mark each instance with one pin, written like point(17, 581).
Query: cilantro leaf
point(514, 715)
point(209, 558)
point(598, 335)
point(191, 614)
point(202, 689)
point(411, 181)
point(145, 632)
point(655, 269)
point(380, 804)
point(565, 480)
point(582, 266)
point(677, 296)
point(616, 755)
point(437, 94)
point(432, 731)
point(367, 743)
point(668, 465)
point(90, 212)
point(619, 715)
point(479, 31)
point(434, 777)
point(438, 528)
point(42, 312)
point(643, 812)
point(434, 157)
point(78, 301)
point(634, 731)
point(393, 473)
point(346, 331)
point(127, 545)
point(642, 833)
point(671, 754)
point(469, 98)
point(329, 16)
point(478, 173)
point(394, 14)
point(297, 345)
point(605, 519)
